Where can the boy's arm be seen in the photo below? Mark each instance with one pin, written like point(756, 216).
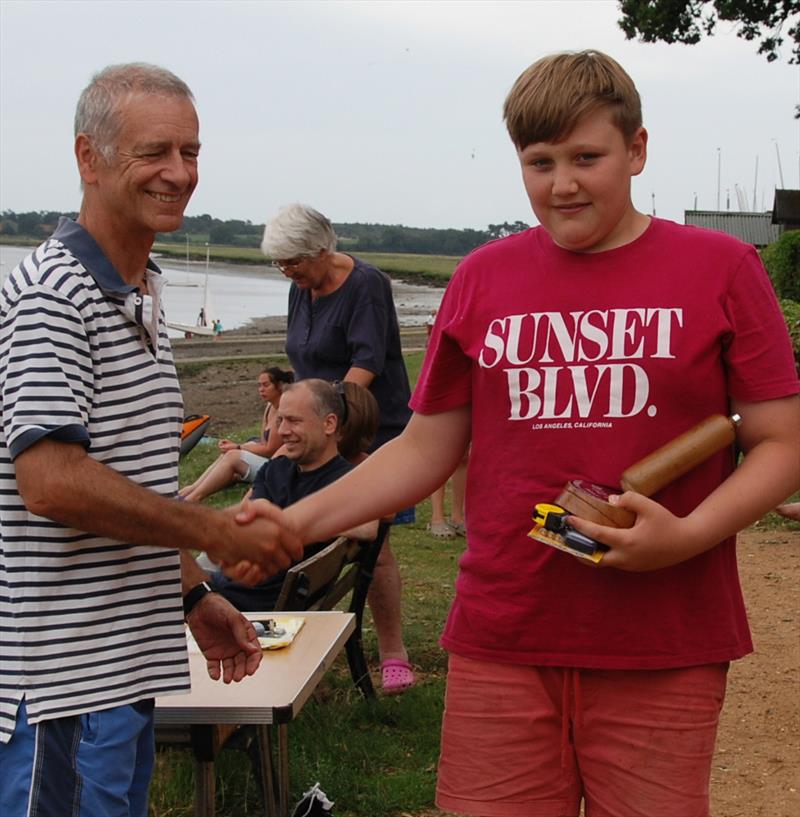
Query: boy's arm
point(769, 435)
point(400, 473)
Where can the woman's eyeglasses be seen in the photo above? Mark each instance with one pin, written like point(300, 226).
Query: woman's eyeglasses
point(291, 263)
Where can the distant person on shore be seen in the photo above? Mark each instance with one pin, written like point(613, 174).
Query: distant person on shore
point(241, 461)
point(429, 323)
point(342, 325)
point(91, 619)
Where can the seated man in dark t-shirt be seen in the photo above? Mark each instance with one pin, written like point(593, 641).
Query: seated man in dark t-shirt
point(310, 415)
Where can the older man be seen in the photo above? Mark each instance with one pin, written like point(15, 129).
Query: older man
point(92, 621)
point(310, 416)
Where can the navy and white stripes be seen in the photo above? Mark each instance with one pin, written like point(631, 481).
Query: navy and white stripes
point(85, 622)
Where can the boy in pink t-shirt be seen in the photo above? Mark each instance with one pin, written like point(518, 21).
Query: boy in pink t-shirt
point(569, 351)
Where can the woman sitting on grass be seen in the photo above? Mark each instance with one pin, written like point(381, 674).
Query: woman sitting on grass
point(241, 462)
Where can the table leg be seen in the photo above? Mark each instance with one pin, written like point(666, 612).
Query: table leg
point(204, 788)
point(283, 768)
point(266, 769)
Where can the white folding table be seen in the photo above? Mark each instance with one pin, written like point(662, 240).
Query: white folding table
point(272, 697)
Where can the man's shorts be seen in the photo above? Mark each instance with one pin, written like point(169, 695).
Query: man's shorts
point(520, 741)
point(94, 765)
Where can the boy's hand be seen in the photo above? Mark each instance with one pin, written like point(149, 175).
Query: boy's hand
point(657, 539)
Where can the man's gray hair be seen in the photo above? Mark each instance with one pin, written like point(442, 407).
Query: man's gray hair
point(297, 230)
point(97, 113)
point(326, 399)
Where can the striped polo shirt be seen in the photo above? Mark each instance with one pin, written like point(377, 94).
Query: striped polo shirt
point(86, 622)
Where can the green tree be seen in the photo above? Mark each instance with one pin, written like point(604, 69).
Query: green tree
point(782, 260)
point(222, 233)
point(685, 21)
point(504, 229)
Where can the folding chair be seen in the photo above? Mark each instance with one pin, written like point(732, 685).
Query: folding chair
point(323, 580)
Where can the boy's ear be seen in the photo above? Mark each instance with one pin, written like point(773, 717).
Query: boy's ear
point(637, 151)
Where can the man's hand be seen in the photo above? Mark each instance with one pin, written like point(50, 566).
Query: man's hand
point(226, 637)
point(657, 539)
point(260, 537)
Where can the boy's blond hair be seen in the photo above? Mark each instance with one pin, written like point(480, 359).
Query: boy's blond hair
point(551, 96)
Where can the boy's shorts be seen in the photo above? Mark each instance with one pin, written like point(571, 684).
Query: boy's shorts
point(94, 765)
point(521, 741)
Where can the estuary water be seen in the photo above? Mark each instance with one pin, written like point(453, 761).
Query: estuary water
point(237, 292)
point(240, 292)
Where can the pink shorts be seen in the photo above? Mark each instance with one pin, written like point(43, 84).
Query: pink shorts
point(521, 741)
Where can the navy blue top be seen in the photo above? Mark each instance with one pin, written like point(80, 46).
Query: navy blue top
point(356, 325)
point(281, 482)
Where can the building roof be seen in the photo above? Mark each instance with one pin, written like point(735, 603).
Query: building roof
point(753, 228)
point(786, 209)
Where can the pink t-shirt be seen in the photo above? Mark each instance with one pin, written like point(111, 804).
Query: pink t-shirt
point(576, 366)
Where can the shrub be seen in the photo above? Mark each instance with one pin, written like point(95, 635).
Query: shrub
point(782, 260)
point(791, 314)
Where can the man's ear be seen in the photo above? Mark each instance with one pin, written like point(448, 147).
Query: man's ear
point(87, 157)
point(331, 425)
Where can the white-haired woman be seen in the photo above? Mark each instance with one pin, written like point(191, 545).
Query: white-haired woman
point(342, 325)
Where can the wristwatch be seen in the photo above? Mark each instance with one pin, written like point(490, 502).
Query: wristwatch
point(194, 595)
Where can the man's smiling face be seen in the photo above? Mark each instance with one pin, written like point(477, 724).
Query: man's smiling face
point(308, 439)
point(148, 182)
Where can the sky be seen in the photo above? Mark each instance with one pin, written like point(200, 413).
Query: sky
point(385, 112)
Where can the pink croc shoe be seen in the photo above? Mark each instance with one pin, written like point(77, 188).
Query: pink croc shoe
point(396, 676)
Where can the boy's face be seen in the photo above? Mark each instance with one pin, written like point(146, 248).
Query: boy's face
point(580, 187)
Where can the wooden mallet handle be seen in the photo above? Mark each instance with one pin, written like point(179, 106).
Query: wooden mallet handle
point(680, 455)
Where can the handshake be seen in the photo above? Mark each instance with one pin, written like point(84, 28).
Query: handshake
point(257, 542)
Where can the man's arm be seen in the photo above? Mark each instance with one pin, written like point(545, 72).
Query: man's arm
point(60, 481)
point(769, 435)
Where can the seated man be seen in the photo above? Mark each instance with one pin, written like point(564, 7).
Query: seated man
point(310, 415)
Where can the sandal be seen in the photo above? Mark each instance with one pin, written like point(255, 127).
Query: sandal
point(459, 528)
point(441, 530)
point(396, 676)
